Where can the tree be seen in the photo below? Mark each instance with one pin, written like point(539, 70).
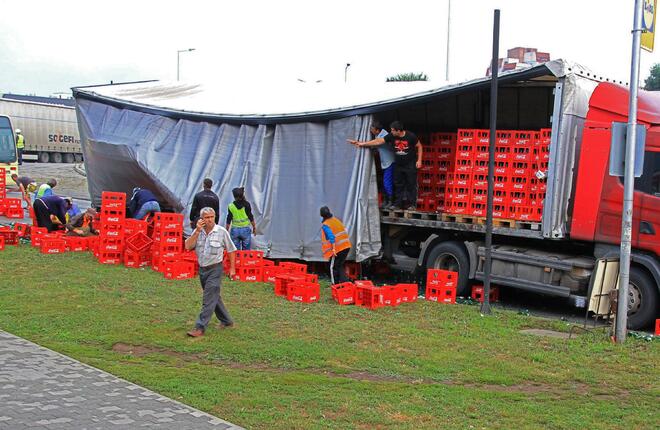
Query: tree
point(408, 77)
point(652, 83)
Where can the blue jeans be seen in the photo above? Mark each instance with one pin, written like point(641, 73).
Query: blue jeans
point(388, 182)
point(151, 206)
point(241, 237)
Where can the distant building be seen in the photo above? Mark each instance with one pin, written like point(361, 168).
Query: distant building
point(520, 58)
point(68, 101)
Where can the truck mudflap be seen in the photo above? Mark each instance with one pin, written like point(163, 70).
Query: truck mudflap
point(649, 262)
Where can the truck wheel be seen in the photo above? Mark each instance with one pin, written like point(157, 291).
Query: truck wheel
point(68, 158)
point(451, 256)
point(642, 299)
point(78, 158)
point(55, 157)
point(43, 157)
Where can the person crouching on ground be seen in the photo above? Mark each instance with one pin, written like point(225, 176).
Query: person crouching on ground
point(335, 245)
point(239, 218)
point(210, 241)
point(82, 224)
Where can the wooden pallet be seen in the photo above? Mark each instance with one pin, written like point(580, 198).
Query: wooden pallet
point(461, 218)
point(430, 216)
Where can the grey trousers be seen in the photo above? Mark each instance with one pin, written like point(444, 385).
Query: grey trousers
point(211, 279)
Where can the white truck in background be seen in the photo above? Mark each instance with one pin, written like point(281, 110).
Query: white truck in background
point(50, 130)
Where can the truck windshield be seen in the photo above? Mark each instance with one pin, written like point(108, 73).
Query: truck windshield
point(7, 142)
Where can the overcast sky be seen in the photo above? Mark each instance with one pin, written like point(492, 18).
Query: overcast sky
point(47, 47)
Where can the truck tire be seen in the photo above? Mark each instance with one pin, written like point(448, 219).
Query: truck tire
point(451, 256)
point(55, 157)
point(78, 158)
point(642, 299)
point(69, 158)
point(43, 157)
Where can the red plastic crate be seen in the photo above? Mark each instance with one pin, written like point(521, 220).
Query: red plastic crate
point(466, 136)
point(249, 258)
point(478, 209)
point(10, 237)
point(283, 280)
point(503, 137)
point(441, 294)
point(22, 229)
point(2, 243)
point(657, 328)
point(344, 293)
point(52, 246)
point(523, 138)
point(290, 267)
point(36, 234)
point(249, 274)
point(369, 297)
point(363, 283)
point(132, 226)
point(109, 257)
point(113, 217)
point(136, 259)
point(138, 242)
point(408, 292)
point(112, 200)
point(391, 295)
point(164, 221)
point(500, 210)
point(16, 213)
point(75, 243)
point(441, 278)
point(270, 272)
point(304, 292)
point(179, 270)
point(478, 293)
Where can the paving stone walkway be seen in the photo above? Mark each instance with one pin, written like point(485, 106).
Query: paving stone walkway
point(42, 389)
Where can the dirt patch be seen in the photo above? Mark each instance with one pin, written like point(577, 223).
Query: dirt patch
point(547, 333)
point(141, 351)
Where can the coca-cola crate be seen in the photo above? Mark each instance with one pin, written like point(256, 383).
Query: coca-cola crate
point(480, 181)
point(52, 246)
point(544, 136)
point(479, 195)
point(159, 261)
point(92, 243)
point(501, 168)
point(518, 198)
point(111, 231)
point(291, 267)
point(138, 242)
point(519, 183)
point(304, 292)
point(132, 226)
point(164, 221)
point(136, 259)
point(445, 153)
point(75, 243)
point(36, 234)
point(113, 217)
point(463, 164)
point(249, 273)
point(391, 295)
point(521, 153)
point(270, 272)
point(502, 153)
point(428, 158)
point(500, 197)
point(480, 167)
point(501, 182)
point(460, 179)
point(478, 209)
point(441, 278)
point(10, 237)
point(445, 166)
point(521, 169)
point(13, 204)
point(172, 241)
point(14, 212)
point(344, 293)
point(523, 138)
point(457, 207)
point(457, 194)
point(22, 229)
point(503, 138)
point(283, 280)
point(466, 136)
point(353, 270)
point(369, 296)
point(2, 243)
point(478, 293)
point(500, 210)
point(113, 200)
point(179, 270)
point(408, 292)
point(443, 139)
point(524, 213)
point(441, 294)
point(426, 178)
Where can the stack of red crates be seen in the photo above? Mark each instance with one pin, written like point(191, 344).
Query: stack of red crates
point(111, 234)
point(167, 241)
point(249, 265)
point(366, 294)
point(441, 286)
point(11, 208)
point(137, 250)
point(437, 164)
point(293, 282)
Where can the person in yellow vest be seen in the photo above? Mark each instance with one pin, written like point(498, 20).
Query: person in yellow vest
point(335, 245)
point(239, 219)
point(20, 145)
point(46, 189)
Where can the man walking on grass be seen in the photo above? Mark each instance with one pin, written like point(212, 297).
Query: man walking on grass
point(210, 241)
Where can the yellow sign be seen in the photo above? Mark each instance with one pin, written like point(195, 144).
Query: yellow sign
point(648, 24)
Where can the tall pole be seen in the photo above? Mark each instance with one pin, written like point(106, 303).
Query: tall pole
point(448, 22)
point(485, 306)
point(629, 182)
point(346, 72)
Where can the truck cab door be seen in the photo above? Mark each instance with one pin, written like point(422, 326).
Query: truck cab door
point(608, 224)
point(649, 187)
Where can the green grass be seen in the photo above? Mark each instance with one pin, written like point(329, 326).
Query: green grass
point(289, 365)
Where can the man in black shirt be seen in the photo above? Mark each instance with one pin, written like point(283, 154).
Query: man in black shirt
point(407, 159)
point(53, 205)
point(204, 199)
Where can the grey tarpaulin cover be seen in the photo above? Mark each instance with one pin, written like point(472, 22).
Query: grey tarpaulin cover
point(288, 170)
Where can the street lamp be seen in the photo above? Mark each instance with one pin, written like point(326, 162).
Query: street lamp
point(178, 53)
point(346, 72)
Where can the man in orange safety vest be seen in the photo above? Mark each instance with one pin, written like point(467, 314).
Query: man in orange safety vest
point(335, 245)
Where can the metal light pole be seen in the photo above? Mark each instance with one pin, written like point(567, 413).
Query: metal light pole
point(629, 182)
point(178, 54)
point(346, 72)
point(448, 22)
